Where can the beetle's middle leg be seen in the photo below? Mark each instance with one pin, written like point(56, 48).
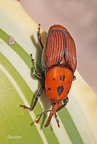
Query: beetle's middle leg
point(36, 72)
point(39, 37)
point(37, 120)
point(36, 99)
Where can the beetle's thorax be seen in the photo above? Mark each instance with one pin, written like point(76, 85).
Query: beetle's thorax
point(58, 82)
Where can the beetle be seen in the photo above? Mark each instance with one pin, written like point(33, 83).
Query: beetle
point(59, 63)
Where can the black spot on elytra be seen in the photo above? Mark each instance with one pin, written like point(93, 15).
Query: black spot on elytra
point(62, 77)
point(60, 90)
point(49, 88)
point(68, 81)
point(54, 79)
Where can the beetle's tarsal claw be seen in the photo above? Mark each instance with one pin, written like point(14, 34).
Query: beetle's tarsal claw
point(25, 107)
point(21, 105)
point(58, 125)
point(32, 60)
point(45, 126)
point(37, 121)
point(31, 55)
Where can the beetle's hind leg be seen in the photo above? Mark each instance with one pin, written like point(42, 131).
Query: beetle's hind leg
point(35, 101)
point(65, 101)
point(74, 77)
point(57, 120)
point(36, 72)
point(39, 37)
point(37, 120)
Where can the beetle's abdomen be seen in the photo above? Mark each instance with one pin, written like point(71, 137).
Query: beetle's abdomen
point(58, 83)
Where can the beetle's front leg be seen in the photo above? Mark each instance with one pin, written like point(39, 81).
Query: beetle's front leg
point(36, 72)
point(35, 101)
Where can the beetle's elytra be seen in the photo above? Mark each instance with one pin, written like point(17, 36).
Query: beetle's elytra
point(59, 62)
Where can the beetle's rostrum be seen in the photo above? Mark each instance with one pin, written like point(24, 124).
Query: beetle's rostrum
point(59, 63)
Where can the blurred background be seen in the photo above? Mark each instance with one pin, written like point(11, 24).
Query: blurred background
point(80, 18)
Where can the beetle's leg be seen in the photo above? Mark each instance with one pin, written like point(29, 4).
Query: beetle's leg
point(65, 101)
point(74, 77)
point(25, 107)
point(35, 101)
point(36, 72)
point(40, 91)
point(57, 120)
point(37, 120)
point(39, 37)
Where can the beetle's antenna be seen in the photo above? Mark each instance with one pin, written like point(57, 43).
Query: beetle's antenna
point(39, 37)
